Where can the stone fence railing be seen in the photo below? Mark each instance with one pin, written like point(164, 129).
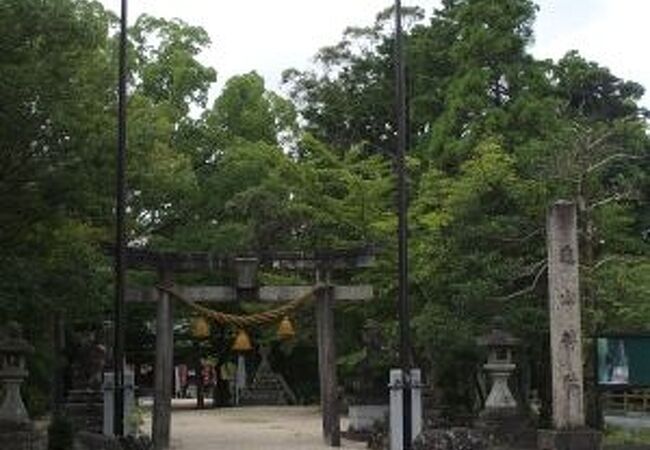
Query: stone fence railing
point(632, 400)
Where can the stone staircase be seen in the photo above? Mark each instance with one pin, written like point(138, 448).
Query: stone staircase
point(85, 409)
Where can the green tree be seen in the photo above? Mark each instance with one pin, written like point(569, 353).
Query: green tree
point(496, 136)
point(58, 72)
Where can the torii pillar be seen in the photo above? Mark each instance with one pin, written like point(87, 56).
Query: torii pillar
point(327, 367)
point(163, 382)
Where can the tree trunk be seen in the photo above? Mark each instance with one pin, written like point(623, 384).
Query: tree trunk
point(593, 409)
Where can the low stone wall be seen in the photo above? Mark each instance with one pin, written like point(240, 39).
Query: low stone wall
point(627, 447)
point(366, 417)
point(451, 439)
point(23, 440)
point(92, 441)
point(580, 439)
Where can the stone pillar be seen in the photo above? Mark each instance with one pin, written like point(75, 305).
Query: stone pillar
point(109, 398)
point(416, 403)
point(396, 423)
point(564, 309)
point(161, 423)
point(327, 367)
point(130, 425)
point(565, 335)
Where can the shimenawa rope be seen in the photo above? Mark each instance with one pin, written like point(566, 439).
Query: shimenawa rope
point(243, 321)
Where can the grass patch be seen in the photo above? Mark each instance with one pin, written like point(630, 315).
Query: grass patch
point(615, 435)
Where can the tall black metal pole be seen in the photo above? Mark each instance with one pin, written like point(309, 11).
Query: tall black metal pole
point(402, 206)
point(120, 236)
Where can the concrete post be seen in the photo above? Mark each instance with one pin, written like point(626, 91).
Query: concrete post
point(109, 403)
point(108, 388)
point(396, 409)
point(416, 402)
point(130, 425)
point(396, 420)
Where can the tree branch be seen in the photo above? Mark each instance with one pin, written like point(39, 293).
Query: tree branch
point(522, 239)
point(604, 261)
point(529, 288)
point(609, 259)
point(610, 159)
point(613, 198)
point(618, 196)
point(599, 140)
point(533, 268)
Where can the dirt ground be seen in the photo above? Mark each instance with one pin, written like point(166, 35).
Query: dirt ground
point(249, 428)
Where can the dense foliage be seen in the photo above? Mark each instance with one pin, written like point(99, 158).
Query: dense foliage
point(495, 136)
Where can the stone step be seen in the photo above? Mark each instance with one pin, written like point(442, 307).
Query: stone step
point(72, 408)
point(262, 393)
point(85, 409)
point(263, 401)
point(83, 396)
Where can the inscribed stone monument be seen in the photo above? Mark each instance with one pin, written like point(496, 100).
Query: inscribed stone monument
point(569, 431)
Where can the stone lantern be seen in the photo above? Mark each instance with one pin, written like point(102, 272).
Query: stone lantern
point(13, 350)
point(500, 366)
point(16, 430)
point(246, 277)
point(246, 272)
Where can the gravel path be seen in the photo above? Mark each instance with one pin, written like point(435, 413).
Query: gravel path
point(250, 428)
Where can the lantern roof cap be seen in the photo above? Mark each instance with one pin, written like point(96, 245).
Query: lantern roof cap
point(497, 337)
point(11, 339)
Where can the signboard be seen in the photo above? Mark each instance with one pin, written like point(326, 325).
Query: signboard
point(623, 360)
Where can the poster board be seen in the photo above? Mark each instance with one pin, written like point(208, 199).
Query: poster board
point(623, 360)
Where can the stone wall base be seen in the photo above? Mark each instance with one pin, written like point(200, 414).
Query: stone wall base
point(367, 417)
point(510, 429)
point(92, 441)
point(583, 439)
point(23, 440)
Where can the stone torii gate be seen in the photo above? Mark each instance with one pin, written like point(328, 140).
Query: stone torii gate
point(321, 264)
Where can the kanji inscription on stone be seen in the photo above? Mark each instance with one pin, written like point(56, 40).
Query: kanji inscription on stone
point(565, 323)
point(566, 255)
point(569, 338)
point(567, 298)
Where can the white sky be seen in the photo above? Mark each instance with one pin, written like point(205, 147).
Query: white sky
point(272, 35)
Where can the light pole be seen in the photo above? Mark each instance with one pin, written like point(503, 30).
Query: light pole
point(120, 235)
point(402, 207)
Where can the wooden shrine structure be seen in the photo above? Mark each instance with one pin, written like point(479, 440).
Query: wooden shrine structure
point(320, 264)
